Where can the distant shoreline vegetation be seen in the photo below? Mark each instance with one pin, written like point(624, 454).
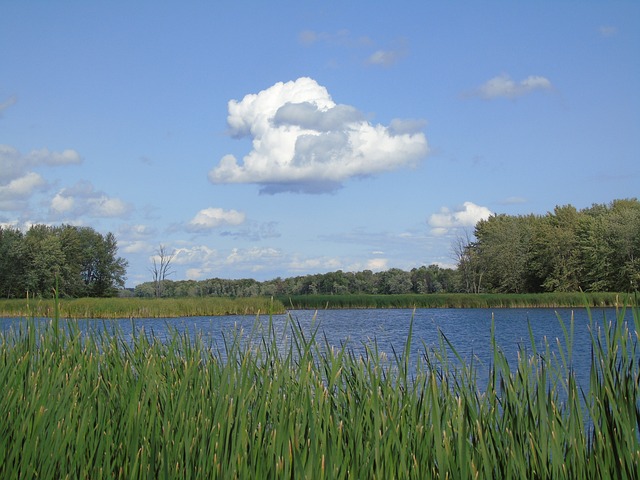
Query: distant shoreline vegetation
point(595, 249)
point(112, 308)
point(459, 300)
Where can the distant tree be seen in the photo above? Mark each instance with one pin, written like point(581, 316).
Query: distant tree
point(364, 282)
point(432, 279)
point(624, 223)
point(395, 281)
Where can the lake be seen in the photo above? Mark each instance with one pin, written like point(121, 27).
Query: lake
point(469, 330)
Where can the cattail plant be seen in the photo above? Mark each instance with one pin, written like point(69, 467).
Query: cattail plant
point(101, 404)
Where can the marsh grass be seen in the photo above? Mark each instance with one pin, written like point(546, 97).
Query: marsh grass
point(139, 307)
point(455, 300)
point(102, 405)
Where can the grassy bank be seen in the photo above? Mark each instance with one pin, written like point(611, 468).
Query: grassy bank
point(211, 306)
point(455, 300)
point(140, 307)
point(100, 406)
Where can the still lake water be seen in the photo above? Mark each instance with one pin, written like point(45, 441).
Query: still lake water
point(469, 330)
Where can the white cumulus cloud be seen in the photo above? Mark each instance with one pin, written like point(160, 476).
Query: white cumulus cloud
point(504, 86)
point(210, 218)
point(83, 199)
point(14, 193)
point(62, 203)
point(378, 264)
point(304, 142)
point(18, 181)
point(104, 206)
point(465, 216)
point(199, 254)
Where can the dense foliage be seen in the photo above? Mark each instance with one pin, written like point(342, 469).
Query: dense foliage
point(81, 260)
point(595, 249)
point(431, 279)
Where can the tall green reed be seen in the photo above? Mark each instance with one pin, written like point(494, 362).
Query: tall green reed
point(99, 404)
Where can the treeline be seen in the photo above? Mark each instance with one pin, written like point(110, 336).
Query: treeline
point(594, 249)
point(79, 260)
point(431, 279)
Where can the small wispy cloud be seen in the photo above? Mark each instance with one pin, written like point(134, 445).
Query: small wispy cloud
point(254, 231)
point(513, 200)
point(384, 58)
point(7, 103)
point(607, 30)
point(388, 56)
point(342, 38)
point(503, 86)
point(14, 164)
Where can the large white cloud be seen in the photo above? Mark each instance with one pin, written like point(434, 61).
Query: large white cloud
point(303, 141)
point(465, 216)
point(504, 86)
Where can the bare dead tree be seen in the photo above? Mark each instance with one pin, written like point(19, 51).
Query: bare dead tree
point(161, 268)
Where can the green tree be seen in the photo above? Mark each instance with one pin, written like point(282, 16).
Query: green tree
point(395, 281)
point(625, 236)
point(12, 263)
point(555, 262)
point(504, 248)
point(108, 272)
point(595, 253)
point(45, 260)
point(432, 279)
point(470, 269)
point(79, 260)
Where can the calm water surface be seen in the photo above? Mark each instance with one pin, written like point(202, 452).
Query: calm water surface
point(469, 330)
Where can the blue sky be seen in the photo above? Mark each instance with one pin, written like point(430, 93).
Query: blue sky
point(266, 139)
